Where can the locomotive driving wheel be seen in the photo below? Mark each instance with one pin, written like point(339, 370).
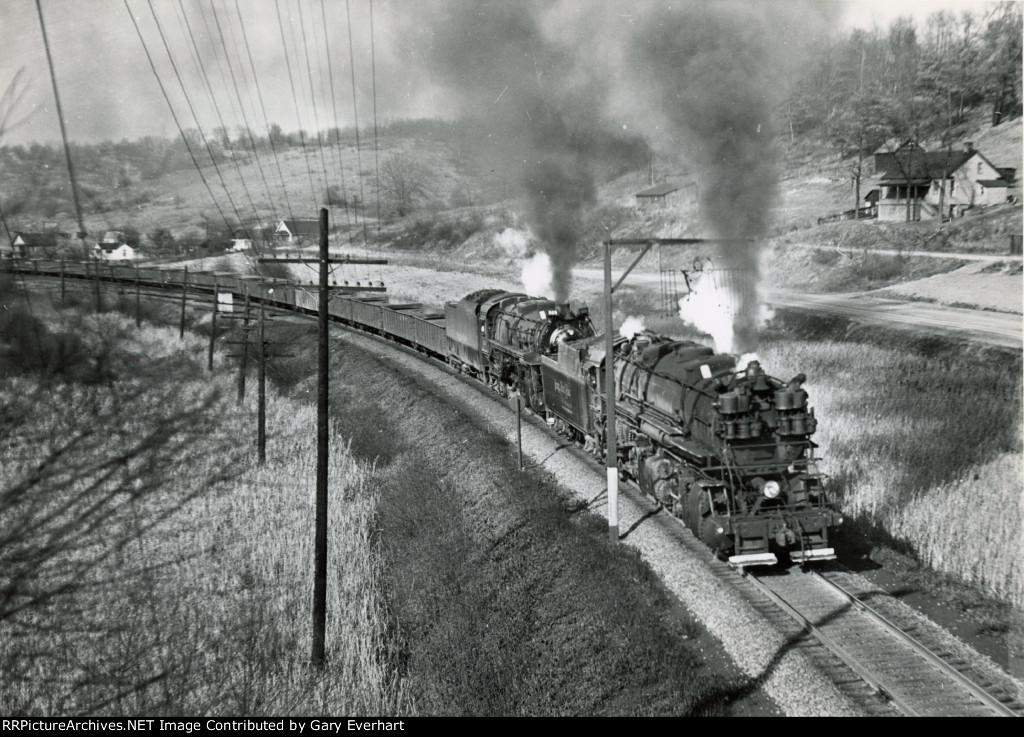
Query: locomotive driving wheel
point(699, 509)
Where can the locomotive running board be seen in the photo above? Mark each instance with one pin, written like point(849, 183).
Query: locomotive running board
point(753, 559)
point(802, 556)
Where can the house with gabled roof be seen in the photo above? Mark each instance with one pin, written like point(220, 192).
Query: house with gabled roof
point(26, 244)
point(920, 185)
point(297, 229)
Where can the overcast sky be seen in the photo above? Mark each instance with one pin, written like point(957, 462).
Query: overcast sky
point(109, 91)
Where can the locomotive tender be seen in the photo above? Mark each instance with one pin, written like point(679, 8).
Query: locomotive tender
point(725, 448)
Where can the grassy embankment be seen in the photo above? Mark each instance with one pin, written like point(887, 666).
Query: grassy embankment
point(505, 597)
point(149, 566)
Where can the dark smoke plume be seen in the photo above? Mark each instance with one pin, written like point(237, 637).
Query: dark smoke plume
point(542, 126)
point(563, 88)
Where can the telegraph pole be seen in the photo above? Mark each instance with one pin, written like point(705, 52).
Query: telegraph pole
point(261, 432)
point(612, 451)
point(138, 299)
point(320, 538)
point(243, 363)
point(184, 296)
point(213, 325)
point(99, 297)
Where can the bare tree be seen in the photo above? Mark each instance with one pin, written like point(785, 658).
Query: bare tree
point(402, 182)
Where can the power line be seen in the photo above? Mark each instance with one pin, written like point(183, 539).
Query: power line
point(312, 95)
point(295, 101)
point(334, 108)
point(376, 144)
point(216, 106)
point(241, 105)
point(174, 115)
point(63, 129)
point(195, 117)
point(355, 116)
point(263, 109)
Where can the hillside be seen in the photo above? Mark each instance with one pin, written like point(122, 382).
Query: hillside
point(462, 215)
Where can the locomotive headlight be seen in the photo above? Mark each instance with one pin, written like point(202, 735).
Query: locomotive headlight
point(771, 489)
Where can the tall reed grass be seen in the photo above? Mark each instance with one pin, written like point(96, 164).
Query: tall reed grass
point(189, 590)
point(925, 447)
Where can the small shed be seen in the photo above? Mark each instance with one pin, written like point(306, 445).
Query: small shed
point(659, 196)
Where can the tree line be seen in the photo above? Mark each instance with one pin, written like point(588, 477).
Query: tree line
point(911, 83)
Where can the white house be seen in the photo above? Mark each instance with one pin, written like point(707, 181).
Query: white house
point(921, 183)
point(292, 231)
point(114, 252)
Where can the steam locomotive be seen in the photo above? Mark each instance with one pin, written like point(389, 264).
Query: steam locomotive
point(726, 448)
point(502, 337)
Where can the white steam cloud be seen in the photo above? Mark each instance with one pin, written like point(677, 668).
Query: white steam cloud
point(538, 276)
point(631, 326)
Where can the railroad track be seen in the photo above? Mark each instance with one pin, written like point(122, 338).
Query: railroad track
point(916, 678)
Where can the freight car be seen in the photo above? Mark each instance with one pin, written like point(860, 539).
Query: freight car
point(723, 447)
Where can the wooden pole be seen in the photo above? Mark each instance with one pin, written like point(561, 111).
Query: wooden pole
point(184, 294)
point(519, 430)
point(138, 299)
point(213, 329)
point(62, 282)
point(244, 360)
point(261, 432)
point(99, 298)
point(612, 453)
point(320, 538)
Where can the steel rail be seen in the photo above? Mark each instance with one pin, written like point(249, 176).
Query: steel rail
point(977, 691)
point(888, 692)
point(864, 673)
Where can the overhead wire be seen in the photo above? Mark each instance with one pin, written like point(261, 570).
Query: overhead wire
point(263, 110)
point(376, 143)
point(195, 117)
point(334, 107)
point(355, 118)
point(216, 106)
point(174, 115)
point(241, 105)
point(295, 101)
point(312, 95)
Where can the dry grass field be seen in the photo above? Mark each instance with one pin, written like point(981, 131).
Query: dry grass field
point(924, 448)
point(150, 567)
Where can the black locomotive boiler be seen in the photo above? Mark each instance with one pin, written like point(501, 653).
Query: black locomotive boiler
point(501, 337)
point(726, 450)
